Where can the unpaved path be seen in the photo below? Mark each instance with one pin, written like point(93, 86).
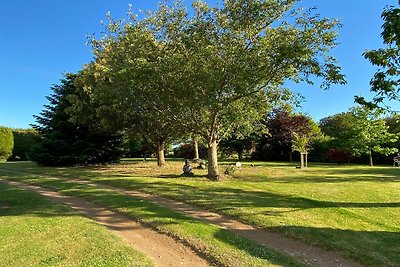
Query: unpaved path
point(160, 249)
point(309, 254)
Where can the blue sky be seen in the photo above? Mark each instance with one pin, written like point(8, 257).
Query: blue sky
point(42, 39)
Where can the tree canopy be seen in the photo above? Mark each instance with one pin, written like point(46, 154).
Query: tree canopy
point(370, 133)
point(386, 81)
point(66, 143)
point(211, 69)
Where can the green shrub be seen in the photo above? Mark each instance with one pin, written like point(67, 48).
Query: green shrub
point(24, 140)
point(6, 143)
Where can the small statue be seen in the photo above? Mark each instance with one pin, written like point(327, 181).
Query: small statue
point(187, 169)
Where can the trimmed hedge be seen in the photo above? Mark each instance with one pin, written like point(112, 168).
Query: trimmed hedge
point(24, 140)
point(6, 143)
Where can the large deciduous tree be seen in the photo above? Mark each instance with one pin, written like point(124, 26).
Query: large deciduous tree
point(236, 57)
point(370, 133)
point(126, 83)
point(214, 69)
point(281, 126)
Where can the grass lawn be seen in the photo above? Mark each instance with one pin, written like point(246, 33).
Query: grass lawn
point(354, 210)
point(222, 247)
point(37, 232)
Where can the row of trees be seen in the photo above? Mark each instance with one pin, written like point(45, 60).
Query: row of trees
point(209, 72)
point(359, 132)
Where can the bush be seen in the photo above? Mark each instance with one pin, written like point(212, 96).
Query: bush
point(6, 143)
point(24, 140)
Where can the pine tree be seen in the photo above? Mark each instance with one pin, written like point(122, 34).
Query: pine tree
point(66, 143)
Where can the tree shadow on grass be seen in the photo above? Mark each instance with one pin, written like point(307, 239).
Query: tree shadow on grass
point(372, 248)
point(14, 202)
point(255, 249)
point(180, 176)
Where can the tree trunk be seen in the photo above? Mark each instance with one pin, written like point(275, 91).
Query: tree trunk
point(213, 173)
point(160, 154)
point(306, 160)
point(301, 160)
point(371, 163)
point(291, 156)
point(253, 147)
point(240, 155)
point(196, 150)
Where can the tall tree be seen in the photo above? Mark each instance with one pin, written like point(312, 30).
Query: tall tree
point(126, 82)
point(370, 133)
point(216, 68)
point(66, 143)
point(235, 58)
point(340, 128)
point(386, 81)
point(281, 125)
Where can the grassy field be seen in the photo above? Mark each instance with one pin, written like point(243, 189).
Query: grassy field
point(220, 246)
point(37, 232)
point(354, 210)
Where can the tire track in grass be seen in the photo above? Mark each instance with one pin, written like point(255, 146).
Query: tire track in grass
point(161, 249)
point(309, 254)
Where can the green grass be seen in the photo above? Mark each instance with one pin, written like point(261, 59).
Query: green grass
point(220, 246)
point(354, 210)
point(38, 232)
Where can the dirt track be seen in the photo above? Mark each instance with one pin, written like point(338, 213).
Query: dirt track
point(309, 254)
point(162, 250)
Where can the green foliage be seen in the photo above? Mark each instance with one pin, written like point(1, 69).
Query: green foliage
point(37, 232)
point(6, 143)
point(24, 141)
point(281, 125)
point(370, 133)
point(386, 82)
point(340, 127)
point(350, 209)
point(66, 143)
point(209, 71)
point(301, 143)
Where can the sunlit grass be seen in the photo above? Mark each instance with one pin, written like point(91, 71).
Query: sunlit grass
point(354, 210)
point(220, 246)
point(38, 232)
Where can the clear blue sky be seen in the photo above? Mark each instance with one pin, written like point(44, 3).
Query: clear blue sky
point(42, 39)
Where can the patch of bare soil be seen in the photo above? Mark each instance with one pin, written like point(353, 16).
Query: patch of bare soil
point(161, 249)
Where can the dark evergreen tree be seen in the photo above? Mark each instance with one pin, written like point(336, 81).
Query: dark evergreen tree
point(63, 142)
